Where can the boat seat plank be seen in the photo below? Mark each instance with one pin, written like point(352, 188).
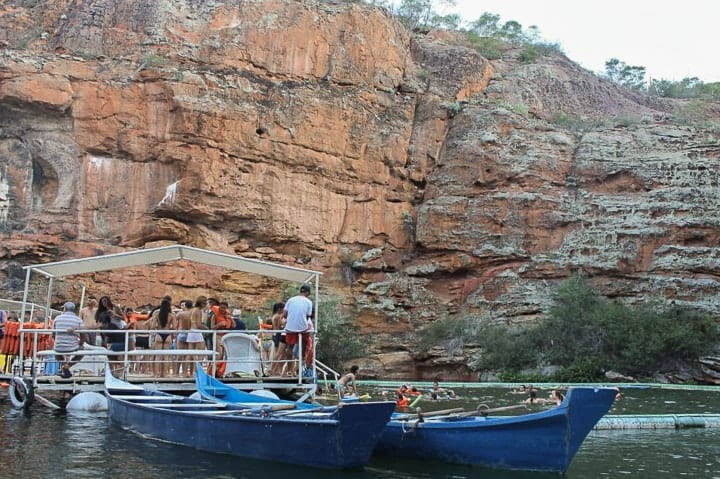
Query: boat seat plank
point(185, 405)
point(225, 411)
point(148, 398)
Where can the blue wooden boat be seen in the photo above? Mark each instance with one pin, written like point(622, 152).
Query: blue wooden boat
point(342, 438)
point(541, 441)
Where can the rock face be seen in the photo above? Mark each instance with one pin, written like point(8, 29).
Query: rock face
point(426, 181)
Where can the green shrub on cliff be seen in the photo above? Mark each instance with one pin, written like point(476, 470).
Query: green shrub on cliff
point(584, 334)
point(337, 336)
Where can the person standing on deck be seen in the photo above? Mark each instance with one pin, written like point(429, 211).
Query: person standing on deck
point(221, 321)
point(195, 336)
point(278, 324)
point(87, 314)
point(297, 311)
point(183, 326)
point(163, 322)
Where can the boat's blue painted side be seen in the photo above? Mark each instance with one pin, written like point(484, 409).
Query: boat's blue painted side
point(342, 439)
point(543, 441)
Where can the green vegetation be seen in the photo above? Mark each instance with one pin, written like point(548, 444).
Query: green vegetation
point(453, 108)
point(423, 74)
point(573, 123)
point(685, 88)
point(153, 61)
point(489, 47)
point(624, 74)
point(409, 224)
point(488, 37)
point(584, 335)
point(633, 76)
point(337, 336)
point(419, 14)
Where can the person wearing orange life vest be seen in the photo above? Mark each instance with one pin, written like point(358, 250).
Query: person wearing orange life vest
point(220, 321)
point(401, 400)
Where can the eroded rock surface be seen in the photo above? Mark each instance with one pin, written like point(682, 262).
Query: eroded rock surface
point(424, 180)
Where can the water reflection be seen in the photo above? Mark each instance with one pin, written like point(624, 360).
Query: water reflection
point(645, 454)
point(43, 444)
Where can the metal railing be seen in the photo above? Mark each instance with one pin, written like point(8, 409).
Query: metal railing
point(41, 361)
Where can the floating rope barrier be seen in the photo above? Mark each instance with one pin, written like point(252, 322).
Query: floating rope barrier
point(658, 421)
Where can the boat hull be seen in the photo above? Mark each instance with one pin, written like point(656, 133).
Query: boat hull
point(343, 439)
point(543, 441)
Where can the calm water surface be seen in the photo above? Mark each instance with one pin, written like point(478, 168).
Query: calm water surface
point(43, 444)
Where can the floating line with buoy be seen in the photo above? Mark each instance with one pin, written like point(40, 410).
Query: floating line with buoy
point(658, 421)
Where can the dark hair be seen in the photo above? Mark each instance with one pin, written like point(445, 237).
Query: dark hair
point(102, 314)
point(354, 368)
point(200, 301)
point(304, 288)
point(277, 307)
point(164, 312)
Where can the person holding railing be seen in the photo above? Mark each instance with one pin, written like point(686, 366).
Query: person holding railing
point(297, 311)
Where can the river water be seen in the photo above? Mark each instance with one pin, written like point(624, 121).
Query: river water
point(44, 444)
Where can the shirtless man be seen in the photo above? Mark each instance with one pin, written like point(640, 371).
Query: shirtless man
point(87, 314)
point(183, 326)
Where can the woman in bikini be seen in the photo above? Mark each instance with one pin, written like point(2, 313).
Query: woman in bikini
point(195, 338)
point(278, 325)
point(163, 320)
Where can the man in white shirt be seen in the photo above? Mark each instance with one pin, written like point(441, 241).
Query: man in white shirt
point(297, 311)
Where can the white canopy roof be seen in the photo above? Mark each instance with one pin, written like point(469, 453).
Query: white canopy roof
point(165, 254)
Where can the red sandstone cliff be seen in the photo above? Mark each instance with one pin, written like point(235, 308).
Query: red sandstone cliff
point(426, 181)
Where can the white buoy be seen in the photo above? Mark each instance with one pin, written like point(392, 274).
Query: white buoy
point(88, 402)
point(264, 393)
point(195, 395)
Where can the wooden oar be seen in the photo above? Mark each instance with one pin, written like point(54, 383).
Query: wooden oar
point(266, 410)
point(484, 412)
point(301, 411)
point(421, 414)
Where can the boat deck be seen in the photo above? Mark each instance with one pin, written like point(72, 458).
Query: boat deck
point(245, 369)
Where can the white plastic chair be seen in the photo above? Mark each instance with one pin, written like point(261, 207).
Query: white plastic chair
point(92, 364)
point(242, 355)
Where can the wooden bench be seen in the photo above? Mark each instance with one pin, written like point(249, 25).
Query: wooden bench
point(187, 405)
point(148, 398)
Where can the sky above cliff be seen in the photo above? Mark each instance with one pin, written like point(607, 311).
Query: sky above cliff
point(672, 41)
